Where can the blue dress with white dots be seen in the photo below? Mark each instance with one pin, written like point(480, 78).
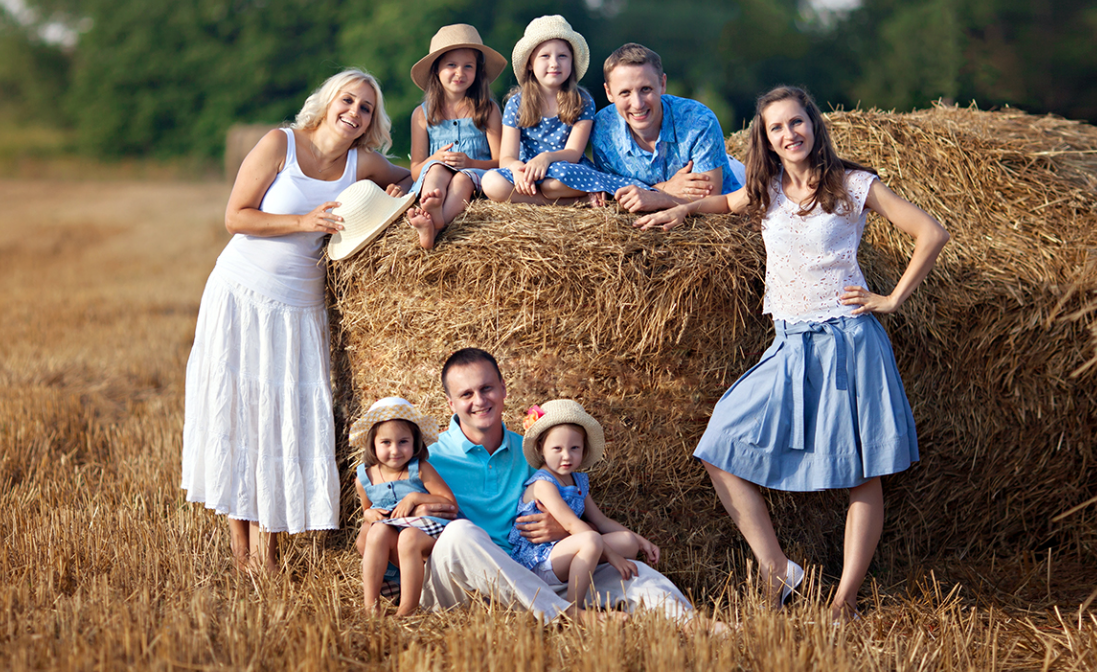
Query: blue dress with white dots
point(551, 135)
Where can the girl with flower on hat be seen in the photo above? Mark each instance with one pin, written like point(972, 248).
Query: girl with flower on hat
point(394, 478)
point(547, 122)
point(562, 438)
point(455, 133)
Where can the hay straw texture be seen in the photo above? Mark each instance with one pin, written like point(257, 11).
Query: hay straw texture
point(998, 348)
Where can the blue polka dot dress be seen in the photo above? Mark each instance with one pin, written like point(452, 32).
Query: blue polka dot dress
point(551, 135)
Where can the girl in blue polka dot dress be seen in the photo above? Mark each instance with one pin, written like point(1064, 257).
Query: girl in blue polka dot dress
point(547, 122)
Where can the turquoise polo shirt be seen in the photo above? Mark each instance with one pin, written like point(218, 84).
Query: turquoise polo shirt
point(487, 487)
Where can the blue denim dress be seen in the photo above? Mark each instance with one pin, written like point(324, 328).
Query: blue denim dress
point(465, 137)
point(530, 555)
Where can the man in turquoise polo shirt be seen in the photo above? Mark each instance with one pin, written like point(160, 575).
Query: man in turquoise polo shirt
point(483, 463)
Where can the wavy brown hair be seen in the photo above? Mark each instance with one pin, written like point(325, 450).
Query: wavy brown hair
point(477, 96)
point(828, 169)
point(569, 99)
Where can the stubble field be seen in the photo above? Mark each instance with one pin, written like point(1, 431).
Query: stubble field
point(105, 566)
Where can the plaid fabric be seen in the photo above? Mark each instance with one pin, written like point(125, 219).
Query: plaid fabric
point(424, 523)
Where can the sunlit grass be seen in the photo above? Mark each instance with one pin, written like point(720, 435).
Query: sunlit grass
point(105, 566)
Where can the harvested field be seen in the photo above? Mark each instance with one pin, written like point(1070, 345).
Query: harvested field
point(105, 566)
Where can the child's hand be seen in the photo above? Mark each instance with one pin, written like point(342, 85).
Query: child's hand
point(456, 160)
point(405, 507)
point(666, 220)
point(373, 515)
point(522, 183)
point(440, 155)
point(537, 167)
point(627, 568)
point(650, 550)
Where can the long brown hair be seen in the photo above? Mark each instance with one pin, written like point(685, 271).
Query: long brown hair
point(828, 170)
point(569, 99)
point(477, 96)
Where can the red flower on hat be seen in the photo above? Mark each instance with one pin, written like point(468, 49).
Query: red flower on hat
point(532, 415)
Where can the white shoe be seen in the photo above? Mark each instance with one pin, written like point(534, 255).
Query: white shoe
point(794, 576)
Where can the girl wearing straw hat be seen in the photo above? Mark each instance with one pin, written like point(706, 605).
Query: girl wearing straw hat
point(547, 122)
point(259, 435)
point(562, 438)
point(455, 133)
point(825, 407)
point(393, 478)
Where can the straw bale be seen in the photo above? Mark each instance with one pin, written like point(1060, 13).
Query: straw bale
point(998, 348)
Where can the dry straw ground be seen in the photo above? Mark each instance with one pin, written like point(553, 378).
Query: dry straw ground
point(104, 565)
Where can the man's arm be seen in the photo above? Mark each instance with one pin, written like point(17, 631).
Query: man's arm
point(541, 527)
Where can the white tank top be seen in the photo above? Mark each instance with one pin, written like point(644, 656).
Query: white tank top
point(287, 268)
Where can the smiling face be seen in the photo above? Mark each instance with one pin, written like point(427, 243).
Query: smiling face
point(394, 445)
point(351, 111)
point(789, 130)
point(457, 70)
point(475, 393)
point(636, 91)
point(551, 63)
point(562, 448)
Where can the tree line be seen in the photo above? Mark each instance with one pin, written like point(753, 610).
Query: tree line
point(167, 79)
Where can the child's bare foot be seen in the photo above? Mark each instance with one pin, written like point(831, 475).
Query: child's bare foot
point(596, 199)
point(421, 221)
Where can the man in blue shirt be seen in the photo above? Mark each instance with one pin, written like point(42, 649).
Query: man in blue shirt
point(482, 462)
point(673, 144)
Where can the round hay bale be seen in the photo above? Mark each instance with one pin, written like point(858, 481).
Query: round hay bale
point(646, 329)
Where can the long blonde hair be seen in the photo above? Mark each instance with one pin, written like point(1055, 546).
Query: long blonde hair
point(377, 138)
point(828, 169)
point(569, 99)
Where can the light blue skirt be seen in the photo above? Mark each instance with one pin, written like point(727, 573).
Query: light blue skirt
point(824, 408)
point(475, 174)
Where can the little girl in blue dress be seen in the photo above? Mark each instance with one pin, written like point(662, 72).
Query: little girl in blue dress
point(825, 407)
point(547, 122)
point(393, 479)
point(562, 438)
point(455, 133)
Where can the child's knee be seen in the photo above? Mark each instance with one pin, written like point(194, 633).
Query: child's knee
point(439, 174)
point(591, 541)
point(413, 541)
point(496, 187)
point(462, 185)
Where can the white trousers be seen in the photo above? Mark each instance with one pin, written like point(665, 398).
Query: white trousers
point(465, 560)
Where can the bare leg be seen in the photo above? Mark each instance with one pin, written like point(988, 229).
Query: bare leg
point(622, 542)
point(239, 542)
point(414, 547)
point(263, 548)
point(555, 190)
point(573, 560)
point(457, 199)
point(380, 543)
point(864, 524)
point(744, 503)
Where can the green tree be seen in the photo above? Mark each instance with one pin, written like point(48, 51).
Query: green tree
point(169, 78)
point(33, 74)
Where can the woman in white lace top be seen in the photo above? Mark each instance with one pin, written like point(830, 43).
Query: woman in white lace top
point(825, 407)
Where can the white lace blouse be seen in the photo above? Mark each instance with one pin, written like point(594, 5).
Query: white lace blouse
point(809, 260)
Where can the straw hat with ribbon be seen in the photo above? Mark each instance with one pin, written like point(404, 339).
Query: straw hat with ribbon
point(542, 418)
point(543, 29)
point(392, 408)
point(457, 36)
point(366, 211)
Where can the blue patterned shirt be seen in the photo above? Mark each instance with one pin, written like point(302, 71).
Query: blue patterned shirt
point(486, 486)
point(690, 131)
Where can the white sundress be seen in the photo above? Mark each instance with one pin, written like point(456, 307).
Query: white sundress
point(258, 434)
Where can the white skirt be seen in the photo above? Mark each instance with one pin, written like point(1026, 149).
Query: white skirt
point(259, 433)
